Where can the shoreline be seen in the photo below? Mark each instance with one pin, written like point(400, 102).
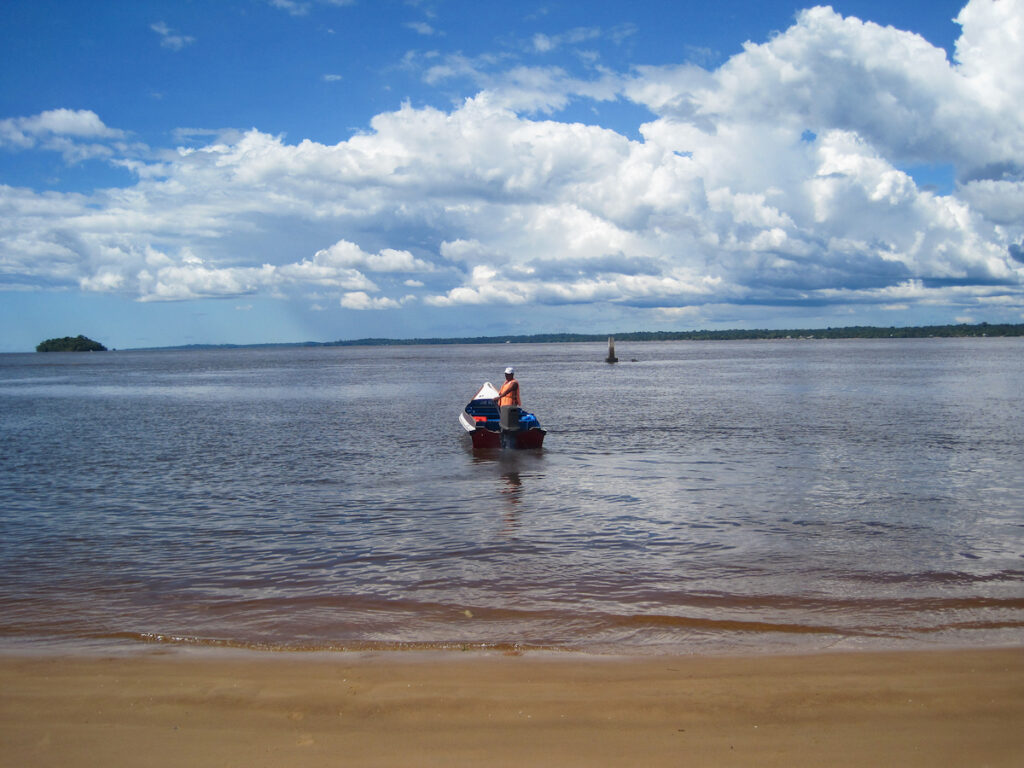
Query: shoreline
point(172, 706)
point(948, 331)
point(125, 645)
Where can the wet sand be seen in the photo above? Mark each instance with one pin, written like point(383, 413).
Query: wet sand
point(159, 708)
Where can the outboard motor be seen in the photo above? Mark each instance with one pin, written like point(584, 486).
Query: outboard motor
point(508, 419)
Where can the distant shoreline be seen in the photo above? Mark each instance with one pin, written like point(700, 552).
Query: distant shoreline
point(850, 332)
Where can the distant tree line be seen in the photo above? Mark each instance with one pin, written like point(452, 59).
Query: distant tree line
point(70, 344)
point(851, 332)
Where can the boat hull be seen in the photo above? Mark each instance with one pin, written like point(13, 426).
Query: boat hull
point(491, 439)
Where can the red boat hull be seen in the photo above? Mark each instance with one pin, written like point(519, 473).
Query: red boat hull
point(522, 440)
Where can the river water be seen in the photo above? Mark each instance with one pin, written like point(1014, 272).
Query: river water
point(705, 497)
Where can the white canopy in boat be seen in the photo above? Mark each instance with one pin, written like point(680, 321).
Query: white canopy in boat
point(487, 392)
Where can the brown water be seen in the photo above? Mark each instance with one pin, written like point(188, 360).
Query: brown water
point(709, 497)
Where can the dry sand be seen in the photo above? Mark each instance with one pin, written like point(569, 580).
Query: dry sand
point(942, 708)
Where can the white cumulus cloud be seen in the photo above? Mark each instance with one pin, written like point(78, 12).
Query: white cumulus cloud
point(78, 134)
point(785, 177)
point(362, 300)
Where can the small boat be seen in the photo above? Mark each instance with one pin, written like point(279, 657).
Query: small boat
point(481, 420)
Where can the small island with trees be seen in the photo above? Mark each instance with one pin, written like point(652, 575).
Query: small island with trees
point(70, 344)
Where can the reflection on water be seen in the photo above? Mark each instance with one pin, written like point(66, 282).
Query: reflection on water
point(511, 493)
point(513, 486)
point(512, 467)
point(712, 496)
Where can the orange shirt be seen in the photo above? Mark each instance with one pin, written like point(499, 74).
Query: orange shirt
point(509, 393)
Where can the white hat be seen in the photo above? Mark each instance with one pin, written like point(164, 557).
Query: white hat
point(509, 371)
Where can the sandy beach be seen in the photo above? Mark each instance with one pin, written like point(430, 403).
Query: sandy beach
point(935, 708)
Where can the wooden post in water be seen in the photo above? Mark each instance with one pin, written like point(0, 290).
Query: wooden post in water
point(611, 351)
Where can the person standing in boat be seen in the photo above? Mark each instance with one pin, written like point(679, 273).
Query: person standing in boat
point(509, 404)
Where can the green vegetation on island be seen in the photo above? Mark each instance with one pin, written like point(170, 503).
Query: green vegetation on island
point(70, 344)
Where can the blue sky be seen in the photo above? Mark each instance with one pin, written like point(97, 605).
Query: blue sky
point(289, 170)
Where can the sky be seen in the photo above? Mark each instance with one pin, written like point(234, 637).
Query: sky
point(265, 171)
